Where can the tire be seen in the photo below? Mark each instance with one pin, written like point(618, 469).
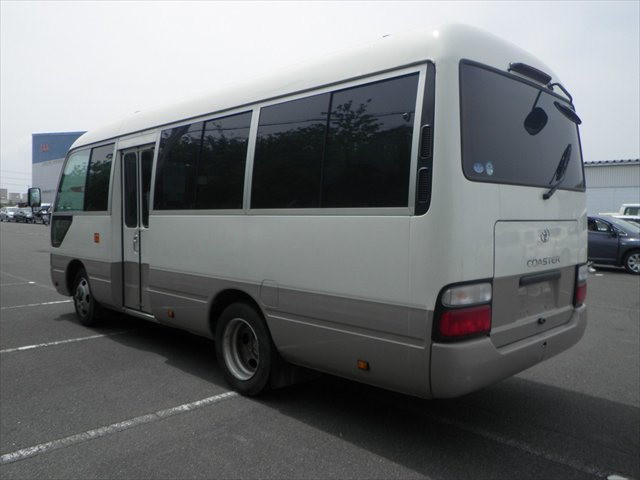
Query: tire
point(244, 349)
point(631, 262)
point(87, 309)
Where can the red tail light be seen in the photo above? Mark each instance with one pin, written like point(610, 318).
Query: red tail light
point(581, 294)
point(580, 291)
point(464, 311)
point(463, 322)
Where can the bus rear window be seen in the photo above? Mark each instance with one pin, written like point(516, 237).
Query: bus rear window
point(515, 133)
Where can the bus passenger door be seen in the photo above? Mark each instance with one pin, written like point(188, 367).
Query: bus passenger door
point(136, 180)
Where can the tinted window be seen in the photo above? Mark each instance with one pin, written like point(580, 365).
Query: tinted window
point(350, 148)
point(130, 190)
point(220, 181)
point(627, 227)
point(288, 158)
point(513, 132)
point(369, 145)
point(177, 165)
point(99, 174)
point(146, 164)
point(201, 166)
point(74, 178)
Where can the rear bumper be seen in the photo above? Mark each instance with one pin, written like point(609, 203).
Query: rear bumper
point(457, 369)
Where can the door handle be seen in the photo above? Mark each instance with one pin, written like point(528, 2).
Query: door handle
point(135, 242)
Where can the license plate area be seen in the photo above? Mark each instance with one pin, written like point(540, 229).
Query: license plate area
point(527, 305)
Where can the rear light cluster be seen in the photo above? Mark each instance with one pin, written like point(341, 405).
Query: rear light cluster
point(580, 290)
point(464, 311)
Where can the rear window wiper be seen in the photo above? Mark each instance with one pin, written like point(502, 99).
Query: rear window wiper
point(561, 170)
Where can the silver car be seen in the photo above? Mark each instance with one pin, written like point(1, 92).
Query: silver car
point(7, 214)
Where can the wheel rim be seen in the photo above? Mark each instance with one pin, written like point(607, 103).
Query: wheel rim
point(82, 297)
point(240, 349)
point(633, 262)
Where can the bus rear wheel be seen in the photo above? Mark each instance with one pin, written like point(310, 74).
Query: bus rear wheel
point(244, 349)
point(87, 309)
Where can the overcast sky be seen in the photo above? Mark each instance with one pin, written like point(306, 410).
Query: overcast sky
point(70, 66)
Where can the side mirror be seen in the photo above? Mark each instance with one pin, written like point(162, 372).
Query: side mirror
point(34, 197)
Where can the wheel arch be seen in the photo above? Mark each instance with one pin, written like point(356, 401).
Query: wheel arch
point(72, 270)
point(227, 297)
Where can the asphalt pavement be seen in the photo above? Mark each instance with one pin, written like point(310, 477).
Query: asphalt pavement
point(134, 400)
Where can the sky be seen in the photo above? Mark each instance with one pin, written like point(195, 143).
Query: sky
point(74, 66)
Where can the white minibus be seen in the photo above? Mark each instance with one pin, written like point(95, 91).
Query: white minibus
point(409, 214)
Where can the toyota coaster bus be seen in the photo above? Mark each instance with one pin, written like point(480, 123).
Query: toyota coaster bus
point(409, 214)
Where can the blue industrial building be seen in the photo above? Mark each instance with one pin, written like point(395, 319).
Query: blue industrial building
point(47, 157)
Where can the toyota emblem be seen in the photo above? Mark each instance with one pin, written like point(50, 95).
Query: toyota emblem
point(544, 235)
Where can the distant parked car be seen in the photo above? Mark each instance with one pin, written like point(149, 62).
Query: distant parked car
point(613, 241)
point(24, 215)
point(630, 209)
point(43, 214)
point(7, 214)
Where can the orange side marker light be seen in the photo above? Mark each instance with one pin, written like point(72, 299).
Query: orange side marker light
point(363, 365)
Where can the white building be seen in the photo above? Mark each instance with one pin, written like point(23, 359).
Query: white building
point(610, 183)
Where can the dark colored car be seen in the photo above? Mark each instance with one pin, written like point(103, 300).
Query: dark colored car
point(24, 215)
point(613, 241)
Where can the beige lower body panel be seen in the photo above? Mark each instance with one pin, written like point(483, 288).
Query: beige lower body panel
point(394, 362)
point(316, 330)
point(105, 278)
point(460, 368)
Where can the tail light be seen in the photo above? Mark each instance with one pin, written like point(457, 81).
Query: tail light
point(464, 311)
point(580, 291)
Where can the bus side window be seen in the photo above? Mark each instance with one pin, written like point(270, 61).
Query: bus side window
point(177, 163)
point(287, 170)
point(85, 180)
point(368, 153)
point(98, 176)
point(358, 157)
point(220, 181)
point(130, 190)
point(146, 164)
point(72, 185)
point(201, 166)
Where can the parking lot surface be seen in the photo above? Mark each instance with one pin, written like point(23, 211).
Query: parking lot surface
point(136, 400)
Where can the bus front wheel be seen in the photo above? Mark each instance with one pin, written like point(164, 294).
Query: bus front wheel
point(244, 349)
point(87, 309)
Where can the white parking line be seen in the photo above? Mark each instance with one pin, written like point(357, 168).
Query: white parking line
point(35, 304)
point(62, 342)
point(111, 429)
